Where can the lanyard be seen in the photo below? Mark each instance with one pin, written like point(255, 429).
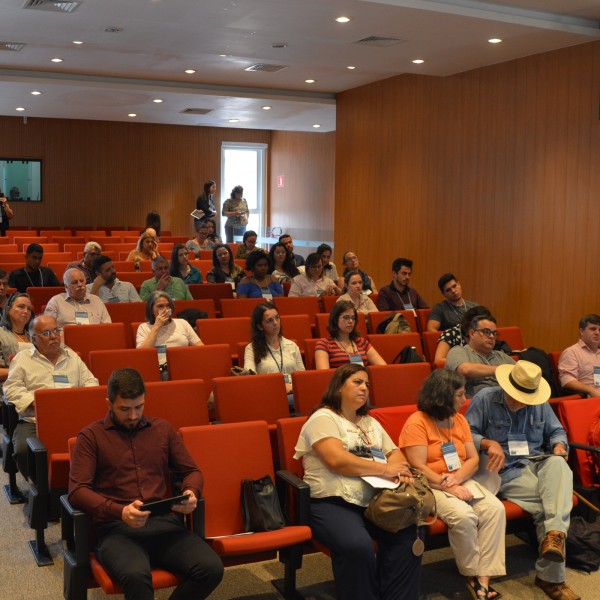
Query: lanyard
point(279, 367)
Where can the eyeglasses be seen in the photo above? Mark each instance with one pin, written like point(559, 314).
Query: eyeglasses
point(489, 332)
point(349, 317)
point(49, 332)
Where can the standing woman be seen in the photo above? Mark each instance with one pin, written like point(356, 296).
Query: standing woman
point(14, 329)
point(437, 440)
point(339, 444)
point(344, 343)
point(206, 201)
point(224, 269)
point(282, 265)
point(6, 213)
point(180, 266)
point(269, 351)
point(353, 282)
point(313, 282)
point(235, 208)
point(260, 283)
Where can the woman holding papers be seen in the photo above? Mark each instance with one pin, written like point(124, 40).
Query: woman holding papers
point(339, 445)
point(437, 440)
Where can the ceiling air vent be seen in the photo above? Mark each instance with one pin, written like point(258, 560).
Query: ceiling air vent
point(196, 111)
point(11, 47)
point(265, 67)
point(53, 5)
point(380, 42)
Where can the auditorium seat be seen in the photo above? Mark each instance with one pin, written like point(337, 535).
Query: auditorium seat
point(394, 385)
point(430, 343)
point(422, 318)
point(41, 295)
point(309, 387)
point(239, 307)
point(143, 360)
point(389, 345)
point(203, 362)
point(225, 331)
point(377, 317)
point(102, 336)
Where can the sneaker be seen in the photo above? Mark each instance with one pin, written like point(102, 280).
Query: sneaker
point(557, 591)
point(553, 547)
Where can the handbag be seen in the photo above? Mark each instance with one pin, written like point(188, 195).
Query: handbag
point(408, 504)
point(241, 371)
point(260, 505)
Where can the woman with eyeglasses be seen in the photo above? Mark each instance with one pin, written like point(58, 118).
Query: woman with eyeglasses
point(248, 245)
point(282, 266)
point(354, 285)
point(344, 343)
point(260, 283)
point(17, 314)
point(224, 269)
point(180, 266)
point(437, 440)
point(269, 351)
point(313, 282)
point(352, 265)
point(339, 444)
point(201, 241)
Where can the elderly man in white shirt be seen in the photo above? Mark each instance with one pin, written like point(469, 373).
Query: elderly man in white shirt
point(45, 366)
point(75, 306)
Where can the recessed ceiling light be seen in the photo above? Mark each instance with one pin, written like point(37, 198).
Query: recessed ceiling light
point(351, 67)
point(234, 120)
point(316, 126)
point(309, 81)
point(77, 42)
point(266, 107)
point(278, 45)
point(113, 29)
point(157, 100)
point(132, 115)
point(20, 109)
point(56, 60)
point(418, 61)
point(494, 40)
point(190, 71)
point(35, 93)
point(223, 55)
point(343, 19)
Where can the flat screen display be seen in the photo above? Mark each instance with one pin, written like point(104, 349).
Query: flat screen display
point(21, 179)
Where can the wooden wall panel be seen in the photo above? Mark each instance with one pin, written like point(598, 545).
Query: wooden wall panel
point(492, 174)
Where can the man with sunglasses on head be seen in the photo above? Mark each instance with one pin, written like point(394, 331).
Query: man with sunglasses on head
point(478, 361)
point(47, 365)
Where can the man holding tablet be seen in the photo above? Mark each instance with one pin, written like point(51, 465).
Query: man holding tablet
point(124, 462)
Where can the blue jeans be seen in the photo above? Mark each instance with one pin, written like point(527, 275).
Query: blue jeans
point(231, 230)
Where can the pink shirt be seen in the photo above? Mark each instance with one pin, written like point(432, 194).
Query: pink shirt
point(577, 363)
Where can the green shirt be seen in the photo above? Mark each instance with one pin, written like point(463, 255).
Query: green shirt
point(176, 289)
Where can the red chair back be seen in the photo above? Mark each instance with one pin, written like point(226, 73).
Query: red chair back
point(377, 317)
point(288, 432)
point(296, 327)
point(422, 318)
point(204, 362)
point(239, 307)
point(143, 360)
point(389, 345)
point(393, 418)
point(228, 331)
point(430, 342)
point(41, 295)
point(309, 387)
point(395, 385)
point(207, 305)
point(102, 336)
point(308, 305)
point(512, 336)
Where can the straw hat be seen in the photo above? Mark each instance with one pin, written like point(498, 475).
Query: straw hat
point(524, 382)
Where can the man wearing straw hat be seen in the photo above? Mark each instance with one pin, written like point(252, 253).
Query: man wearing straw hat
point(527, 446)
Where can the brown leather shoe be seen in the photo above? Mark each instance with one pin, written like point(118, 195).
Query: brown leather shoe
point(553, 547)
point(557, 591)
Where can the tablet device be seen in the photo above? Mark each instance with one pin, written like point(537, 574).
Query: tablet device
point(163, 507)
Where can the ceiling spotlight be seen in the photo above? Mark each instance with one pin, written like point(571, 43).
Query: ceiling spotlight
point(157, 100)
point(309, 81)
point(20, 109)
point(132, 115)
point(77, 42)
point(223, 55)
point(35, 93)
point(316, 126)
point(190, 71)
point(112, 29)
point(418, 61)
point(351, 67)
point(56, 60)
point(278, 45)
point(234, 120)
point(266, 107)
point(343, 19)
point(494, 41)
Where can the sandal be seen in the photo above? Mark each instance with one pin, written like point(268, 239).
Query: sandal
point(491, 590)
point(480, 592)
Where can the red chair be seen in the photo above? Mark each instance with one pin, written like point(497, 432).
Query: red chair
point(422, 318)
point(227, 454)
point(430, 342)
point(394, 385)
point(215, 291)
point(322, 320)
point(50, 247)
point(225, 331)
point(204, 362)
point(393, 418)
point(512, 336)
point(137, 277)
point(241, 307)
point(207, 305)
point(41, 295)
point(123, 266)
point(296, 327)
point(389, 345)
point(309, 387)
point(377, 317)
point(308, 305)
point(58, 268)
point(22, 240)
point(58, 257)
point(6, 248)
point(143, 360)
point(126, 312)
point(103, 336)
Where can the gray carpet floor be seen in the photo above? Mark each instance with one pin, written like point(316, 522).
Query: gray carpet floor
point(21, 579)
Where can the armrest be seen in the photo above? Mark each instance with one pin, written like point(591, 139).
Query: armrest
point(75, 531)
point(37, 464)
point(300, 492)
point(587, 447)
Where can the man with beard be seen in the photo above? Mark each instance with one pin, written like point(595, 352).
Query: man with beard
point(107, 286)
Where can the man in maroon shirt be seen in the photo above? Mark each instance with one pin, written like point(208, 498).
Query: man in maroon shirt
point(123, 462)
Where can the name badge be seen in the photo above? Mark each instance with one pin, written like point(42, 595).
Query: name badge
point(113, 299)
point(408, 305)
point(517, 444)
point(356, 359)
point(597, 376)
point(162, 354)
point(61, 381)
point(378, 455)
point(320, 292)
point(266, 294)
point(451, 456)
point(82, 318)
point(287, 378)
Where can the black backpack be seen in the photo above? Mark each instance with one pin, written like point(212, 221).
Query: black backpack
point(542, 360)
point(583, 545)
point(408, 354)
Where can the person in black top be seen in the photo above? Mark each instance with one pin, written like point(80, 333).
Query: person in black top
point(6, 213)
point(33, 275)
point(206, 201)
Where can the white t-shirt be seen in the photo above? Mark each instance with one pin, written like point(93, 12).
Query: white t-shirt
point(176, 333)
point(272, 363)
point(324, 423)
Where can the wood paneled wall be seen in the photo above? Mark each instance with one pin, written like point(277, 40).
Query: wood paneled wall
point(493, 174)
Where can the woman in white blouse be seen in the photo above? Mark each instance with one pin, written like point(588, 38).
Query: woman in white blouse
point(269, 351)
point(313, 282)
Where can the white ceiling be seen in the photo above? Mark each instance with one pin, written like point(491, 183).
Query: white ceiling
point(113, 74)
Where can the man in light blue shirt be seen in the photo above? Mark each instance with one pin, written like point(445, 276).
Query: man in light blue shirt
point(527, 446)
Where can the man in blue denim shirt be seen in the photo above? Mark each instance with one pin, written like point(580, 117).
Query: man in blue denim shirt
point(514, 423)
